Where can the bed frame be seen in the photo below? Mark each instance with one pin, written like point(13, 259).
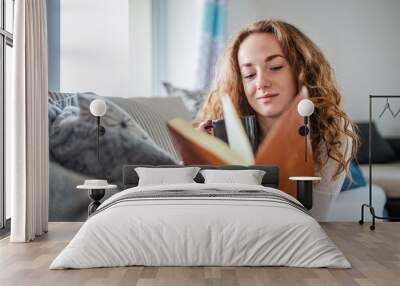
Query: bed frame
point(130, 178)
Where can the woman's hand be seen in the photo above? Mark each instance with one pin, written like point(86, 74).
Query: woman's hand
point(205, 125)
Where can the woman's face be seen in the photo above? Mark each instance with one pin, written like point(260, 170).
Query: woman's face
point(268, 80)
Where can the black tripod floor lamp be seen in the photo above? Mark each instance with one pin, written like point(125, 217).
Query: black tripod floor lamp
point(370, 150)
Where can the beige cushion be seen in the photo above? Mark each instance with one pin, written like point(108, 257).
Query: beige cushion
point(386, 176)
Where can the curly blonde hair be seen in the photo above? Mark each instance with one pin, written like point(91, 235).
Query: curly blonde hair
point(328, 123)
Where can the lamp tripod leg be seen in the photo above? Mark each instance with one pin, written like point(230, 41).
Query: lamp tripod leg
point(372, 210)
point(361, 221)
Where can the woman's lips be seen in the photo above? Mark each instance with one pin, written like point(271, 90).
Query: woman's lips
point(267, 97)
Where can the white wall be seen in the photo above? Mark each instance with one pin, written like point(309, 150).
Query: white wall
point(140, 48)
point(105, 47)
point(359, 37)
point(183, 30)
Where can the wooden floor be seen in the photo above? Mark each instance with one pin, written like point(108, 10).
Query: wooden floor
point(374, 255)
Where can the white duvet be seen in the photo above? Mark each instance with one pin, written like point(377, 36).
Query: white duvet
point(200, 231)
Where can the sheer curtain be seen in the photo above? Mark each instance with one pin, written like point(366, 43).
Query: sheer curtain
point(27, 123)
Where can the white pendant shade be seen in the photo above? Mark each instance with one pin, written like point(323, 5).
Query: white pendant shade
point(98, 107)
point(305, 107)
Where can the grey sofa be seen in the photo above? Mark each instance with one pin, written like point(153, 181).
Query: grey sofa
point(66, 203)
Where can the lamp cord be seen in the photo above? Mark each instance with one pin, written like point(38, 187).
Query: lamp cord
point(305, 137)
point(98, 139)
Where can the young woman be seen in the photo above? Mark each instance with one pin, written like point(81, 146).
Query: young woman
point(262, 71)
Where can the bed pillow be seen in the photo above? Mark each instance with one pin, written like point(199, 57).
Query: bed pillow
point(164, 176)
point(248, 177)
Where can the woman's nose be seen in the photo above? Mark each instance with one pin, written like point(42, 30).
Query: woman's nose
point(263, 82)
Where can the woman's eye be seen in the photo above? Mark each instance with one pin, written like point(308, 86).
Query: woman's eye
point(276, 68)
point(249, 76)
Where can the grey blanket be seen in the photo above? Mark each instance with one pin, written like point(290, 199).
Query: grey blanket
point(205, 194)
point(72, 139)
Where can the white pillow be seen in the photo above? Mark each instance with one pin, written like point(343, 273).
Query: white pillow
point(249, 177)
point(163, 176)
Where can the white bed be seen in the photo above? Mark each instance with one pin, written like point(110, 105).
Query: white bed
point(182, 231)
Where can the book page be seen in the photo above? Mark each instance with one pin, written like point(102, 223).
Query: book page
point(198, 147)
point(238, 140)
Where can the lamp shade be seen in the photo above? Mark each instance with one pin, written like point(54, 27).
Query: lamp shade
point(305, 107)
point(98, 107)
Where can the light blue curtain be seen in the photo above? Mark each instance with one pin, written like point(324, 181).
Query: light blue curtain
point(212, 40)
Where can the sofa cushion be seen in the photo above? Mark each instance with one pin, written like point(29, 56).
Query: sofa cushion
point(386, 176)
point(72, 139)
point(152, 113)
point(193, 99)
point(347, 206)
point(395, 144)
point(357, 178)
point(381, 150)
point(115, 116)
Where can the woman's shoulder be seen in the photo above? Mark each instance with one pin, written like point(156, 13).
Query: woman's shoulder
point(330, 166)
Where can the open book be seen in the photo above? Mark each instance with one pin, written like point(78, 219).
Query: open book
point(283, 146)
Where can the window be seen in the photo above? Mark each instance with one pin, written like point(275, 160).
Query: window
point(6, 43)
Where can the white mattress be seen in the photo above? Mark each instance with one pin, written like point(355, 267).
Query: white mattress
point(206, 231)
